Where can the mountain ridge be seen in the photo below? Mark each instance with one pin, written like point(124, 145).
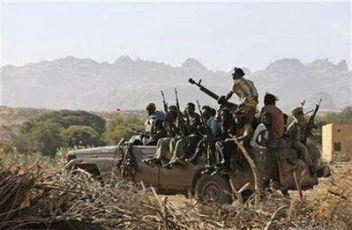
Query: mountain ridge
point(83, 83)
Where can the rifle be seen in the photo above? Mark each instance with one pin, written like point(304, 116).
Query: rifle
point(181, 121)
point(201, 113)
point(311, 124)
point(164, 102)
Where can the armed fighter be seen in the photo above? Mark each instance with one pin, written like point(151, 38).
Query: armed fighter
point(185, 152)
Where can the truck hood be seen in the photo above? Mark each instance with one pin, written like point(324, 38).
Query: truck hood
point(98, 152)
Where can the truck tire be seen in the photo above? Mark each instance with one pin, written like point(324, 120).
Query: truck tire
point(213, 189)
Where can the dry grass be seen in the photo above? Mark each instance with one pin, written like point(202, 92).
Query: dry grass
point(36, 191)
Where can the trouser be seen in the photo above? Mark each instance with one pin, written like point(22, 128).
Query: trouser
point(211, 154)
point(227, 149)
point(250, 112)
point(303, 153)
point(206, 147)
point(178, 146)
point(163, 149)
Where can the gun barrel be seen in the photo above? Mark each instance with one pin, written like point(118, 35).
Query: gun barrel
point(204, 90)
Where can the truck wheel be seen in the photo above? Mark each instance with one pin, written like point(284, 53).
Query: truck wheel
point(213, 189)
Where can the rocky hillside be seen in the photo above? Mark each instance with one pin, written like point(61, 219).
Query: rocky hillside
point(73, 83)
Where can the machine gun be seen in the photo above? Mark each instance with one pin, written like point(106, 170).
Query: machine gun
point(311, 124)
point(203, 89)
point(164, 102)
point(212, 94)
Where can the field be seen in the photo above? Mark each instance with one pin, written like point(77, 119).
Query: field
point(38, 194)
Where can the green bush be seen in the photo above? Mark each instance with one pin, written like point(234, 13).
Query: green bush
point(81, 135)
point(66, 118)
point(343, 117)
point(46, 139)
point(47, 133)
point(122, 127)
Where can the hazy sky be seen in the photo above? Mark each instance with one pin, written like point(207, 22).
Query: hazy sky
point(220, 35)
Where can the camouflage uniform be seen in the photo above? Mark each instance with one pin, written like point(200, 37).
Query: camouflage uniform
point(163, 145)
point(207, 144)
point(179, 144)
point(182, 145)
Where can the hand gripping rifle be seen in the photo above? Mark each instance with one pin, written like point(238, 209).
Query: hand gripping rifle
point(181, 121)
point(164, 102)
point(311, 124)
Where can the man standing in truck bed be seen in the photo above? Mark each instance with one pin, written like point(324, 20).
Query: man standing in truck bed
point(246, 91)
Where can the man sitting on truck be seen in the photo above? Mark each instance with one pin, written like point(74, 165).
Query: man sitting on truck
point(155, 129)
point(224, 144)
point(189, 133)
point(163, 153)
point(277, 123)
point(296, 131)
point(210, 131)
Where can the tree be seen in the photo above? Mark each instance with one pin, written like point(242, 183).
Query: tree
point(66, 118)
point(45, 139)
point(343, 117)
point(122, 127)
point(52, 130)
point(81, 135)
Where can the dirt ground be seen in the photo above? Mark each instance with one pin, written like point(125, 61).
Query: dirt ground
point(331, 199)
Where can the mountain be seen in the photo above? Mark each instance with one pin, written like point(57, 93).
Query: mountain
point(74, 83)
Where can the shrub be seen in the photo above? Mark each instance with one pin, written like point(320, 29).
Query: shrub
point(46, 139)
point(344, 117)
point(122, 127)
point(66, 118)
point(47, 133)
point(81, 135)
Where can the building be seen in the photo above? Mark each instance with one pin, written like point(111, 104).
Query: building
point(337, 142)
